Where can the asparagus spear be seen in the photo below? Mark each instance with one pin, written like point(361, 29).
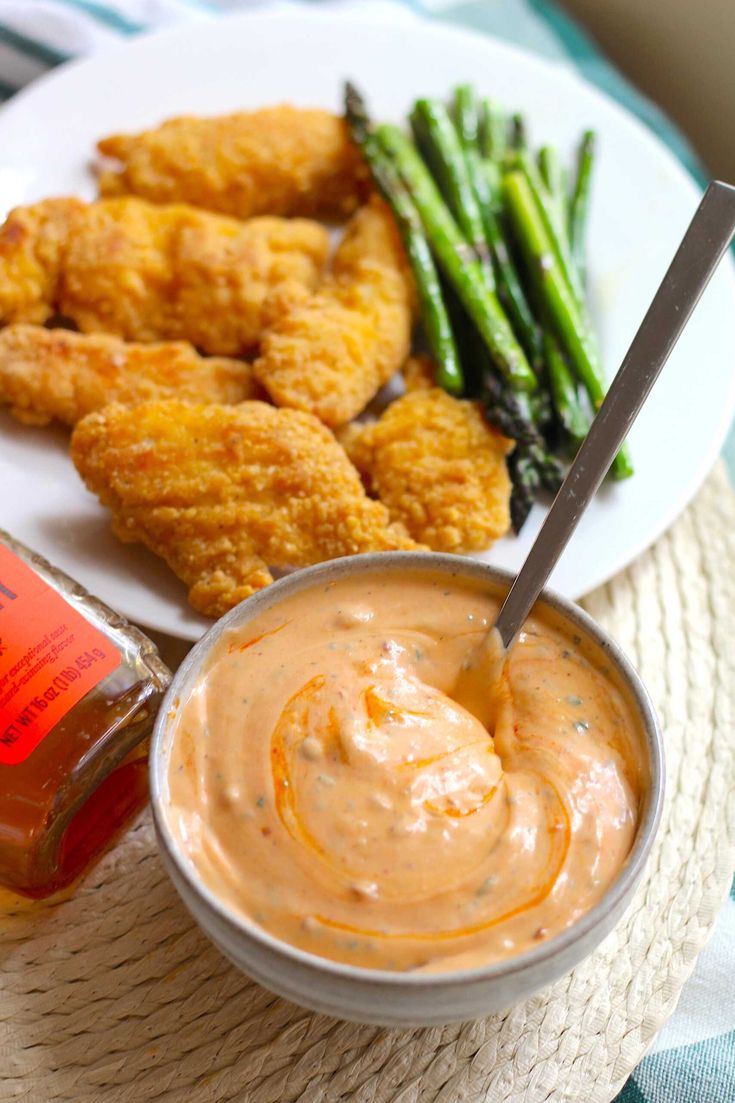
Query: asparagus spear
point(494, 183)
point(555, 228)
point(530, 468)
point(530, 465)
point(466, 122)
point(434, 316)
point(553, 176)
point(457, 260)
point(509, 284)
point(579, 203)
point(572, 417)
point(553, 290)
point(438, 140)
point(511, 417)
point(570, 413)
point(518, 133)
point(550, 169)
point(550, 469)
point(511, 413)
point(459, 166)
point(493, 131)
point(526, 482)
point(467, 117)
point(542, 409)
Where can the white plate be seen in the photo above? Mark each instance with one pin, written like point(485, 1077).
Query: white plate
point(642, 203)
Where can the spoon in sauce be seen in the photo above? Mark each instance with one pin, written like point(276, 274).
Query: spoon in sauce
point(707, 238)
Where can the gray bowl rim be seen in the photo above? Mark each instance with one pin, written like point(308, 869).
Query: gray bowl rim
point(456, 566)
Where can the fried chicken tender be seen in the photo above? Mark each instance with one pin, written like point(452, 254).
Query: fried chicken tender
point(277, 160)
point(439, 468)
point(54, 374)
point(331, 354)
point(147, 273)
point(222, 493)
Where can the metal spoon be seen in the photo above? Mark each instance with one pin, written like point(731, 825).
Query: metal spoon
point(707, 238)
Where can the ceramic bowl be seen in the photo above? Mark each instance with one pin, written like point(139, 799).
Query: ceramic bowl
point(378, 996)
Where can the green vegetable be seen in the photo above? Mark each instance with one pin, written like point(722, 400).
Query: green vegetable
point(458, 261)
point(530, 465)
point(565, 397)
point(508, 281)
point(554, 178)
point(554, 226)
point(466, 113)
point(580, 201)
point(518, 134)
point(438, 140)
point(554, 293)
point(434, 316)
point(492, 131)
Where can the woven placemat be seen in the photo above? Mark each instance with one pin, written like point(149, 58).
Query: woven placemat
point(114, 995)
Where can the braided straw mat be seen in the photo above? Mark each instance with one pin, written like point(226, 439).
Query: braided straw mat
point(114, 995)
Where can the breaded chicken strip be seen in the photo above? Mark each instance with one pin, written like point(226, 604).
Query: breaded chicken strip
point(331, 354)
point(147, 273)
point(439, 468)
point(278, 160)
point(222, 493)
point(54, 374)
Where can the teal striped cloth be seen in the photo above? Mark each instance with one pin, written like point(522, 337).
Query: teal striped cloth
point(693, 1057)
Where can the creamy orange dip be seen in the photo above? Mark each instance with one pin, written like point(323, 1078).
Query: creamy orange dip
point(324, 784)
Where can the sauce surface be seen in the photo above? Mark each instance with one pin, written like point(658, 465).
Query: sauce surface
point(324, 783)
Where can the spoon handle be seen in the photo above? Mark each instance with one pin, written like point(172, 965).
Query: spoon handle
point(708, 236)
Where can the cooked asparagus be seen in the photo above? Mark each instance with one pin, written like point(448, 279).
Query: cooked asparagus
point(553, 290)
point(518, 135)
point(467, 117)
point(509, 284)
point(438, 140)
point(458, 261)
point(553, 176)
point(579, 202)
point(569, 410)
point(526, 483)
point(554, 226)
point(493, 131)
point(434, 317)
point(511, 413)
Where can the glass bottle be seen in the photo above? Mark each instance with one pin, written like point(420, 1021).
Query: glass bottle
point(79, 691)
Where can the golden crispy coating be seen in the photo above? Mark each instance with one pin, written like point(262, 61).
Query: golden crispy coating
point(54, 374)
point(222, 493)
point(147, 273)
point(439, 468)
point(331, 354)
point(418, 373)
point(33, 246)
point(277, 160)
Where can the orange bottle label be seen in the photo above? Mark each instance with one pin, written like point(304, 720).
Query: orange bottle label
point(50, 657)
